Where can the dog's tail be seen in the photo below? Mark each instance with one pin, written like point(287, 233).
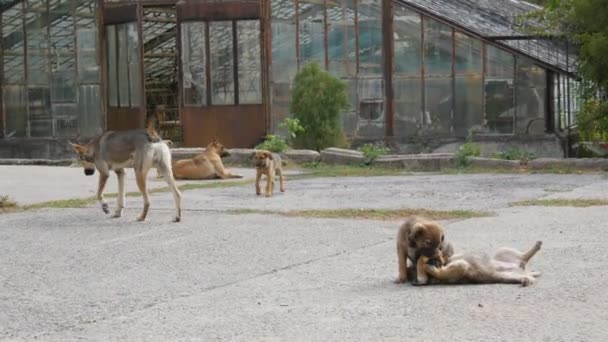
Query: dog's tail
point(153, 136)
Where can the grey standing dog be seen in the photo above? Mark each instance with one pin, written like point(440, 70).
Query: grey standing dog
point(140, 149)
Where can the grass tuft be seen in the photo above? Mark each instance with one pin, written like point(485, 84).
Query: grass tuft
point(372, 214)
point(563, 202)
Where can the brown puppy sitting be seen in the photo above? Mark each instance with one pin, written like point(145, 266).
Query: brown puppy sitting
point(269, 164)
point(508, 266)
point(417, 237)
point(207, 165)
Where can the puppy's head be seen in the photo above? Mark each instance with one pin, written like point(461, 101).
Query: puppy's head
point(216, 146)
point(261, 158)
point(427, 237)
point(85, 158)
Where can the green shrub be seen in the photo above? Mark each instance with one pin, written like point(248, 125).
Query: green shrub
point(515, 154)
point(273, 143)
point(469, 149)
point(372, 151)
point(592, 121)
point(293, 127)
point(318, 98)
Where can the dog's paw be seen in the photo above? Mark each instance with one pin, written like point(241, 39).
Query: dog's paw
point(140, 218)
point(400, 280)
point(177, 219)
point(527, 281)
point(105, 208)
point(117, 213)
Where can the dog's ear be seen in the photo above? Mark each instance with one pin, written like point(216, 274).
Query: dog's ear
point(78, 148)
point(252, 155)
point(269, 154)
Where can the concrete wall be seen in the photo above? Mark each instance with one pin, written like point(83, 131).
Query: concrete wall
point(35, 148)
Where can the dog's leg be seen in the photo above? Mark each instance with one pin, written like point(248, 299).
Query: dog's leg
point(421, 276)
point(269, 183)
point(453, 272)
point(402, 259)
point(103, 178)
point(513, 278)
point(529, 254)
point(177, 195)
point(120, 174)
point(258, 180)
point(222, 172)
point(281, 178)
point(140, 176)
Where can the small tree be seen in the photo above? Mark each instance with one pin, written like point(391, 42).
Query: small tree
point(317, 101)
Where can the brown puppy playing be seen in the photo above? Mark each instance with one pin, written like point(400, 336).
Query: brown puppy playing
point(269, 164)
point(207, 165)
point(420, 237)
point(507, 266)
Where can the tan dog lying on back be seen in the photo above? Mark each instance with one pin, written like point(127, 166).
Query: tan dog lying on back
point(207, 165)
point(269, 164)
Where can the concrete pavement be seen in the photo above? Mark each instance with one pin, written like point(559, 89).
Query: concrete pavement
point(76, 274)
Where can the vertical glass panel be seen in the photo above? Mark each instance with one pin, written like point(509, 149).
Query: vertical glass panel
point(499, 91)
point(468, 56)
point(13, 90)
point(468, 107)
point(437, 47)
point(407, 83)
point(284, 62)
point(134, 62)
point(408, 105)
point(312, 38)
point(194, 63)
point(370, 37)
point(63, 69)
point(123, 66)
point(531, 98)
point(37, 43)
point(341, 38)
point(407, 41)
point(86, 35)
point(39, 105)
point(438, 105)
point(222, 62)
point(249, 61)
point(14, 100)
point(12, 33)
point(112, 65)
point(89, 108)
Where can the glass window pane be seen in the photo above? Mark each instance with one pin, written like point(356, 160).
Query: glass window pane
point(468, 109)
point(39, 103)
point(222, 62)
point(134, 61)
point(312, 39)
point(193, 63)
point(370, 37)
point(14, 100)
point(12, 32)
point(112, 65)
point(407, 40)
point(249, 61)
point(499, 91)
point(408, 105)
point(341, 38)
point(531, 92)
point(123, 66)
point(437, 116)
point(284, 63)
point(468, 56)
point(87, 41)
point(89, 108)
point(437, 47)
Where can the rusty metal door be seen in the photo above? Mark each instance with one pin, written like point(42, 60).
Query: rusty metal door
point(124, 83)
point(221, 72)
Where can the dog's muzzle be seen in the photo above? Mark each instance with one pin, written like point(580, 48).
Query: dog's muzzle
point(225, 154)
point(89, 172)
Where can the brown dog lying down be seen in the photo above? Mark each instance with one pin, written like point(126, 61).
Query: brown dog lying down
point(207, 165)
point(507, 266)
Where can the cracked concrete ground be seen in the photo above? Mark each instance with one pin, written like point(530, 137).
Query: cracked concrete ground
point(76, 274)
